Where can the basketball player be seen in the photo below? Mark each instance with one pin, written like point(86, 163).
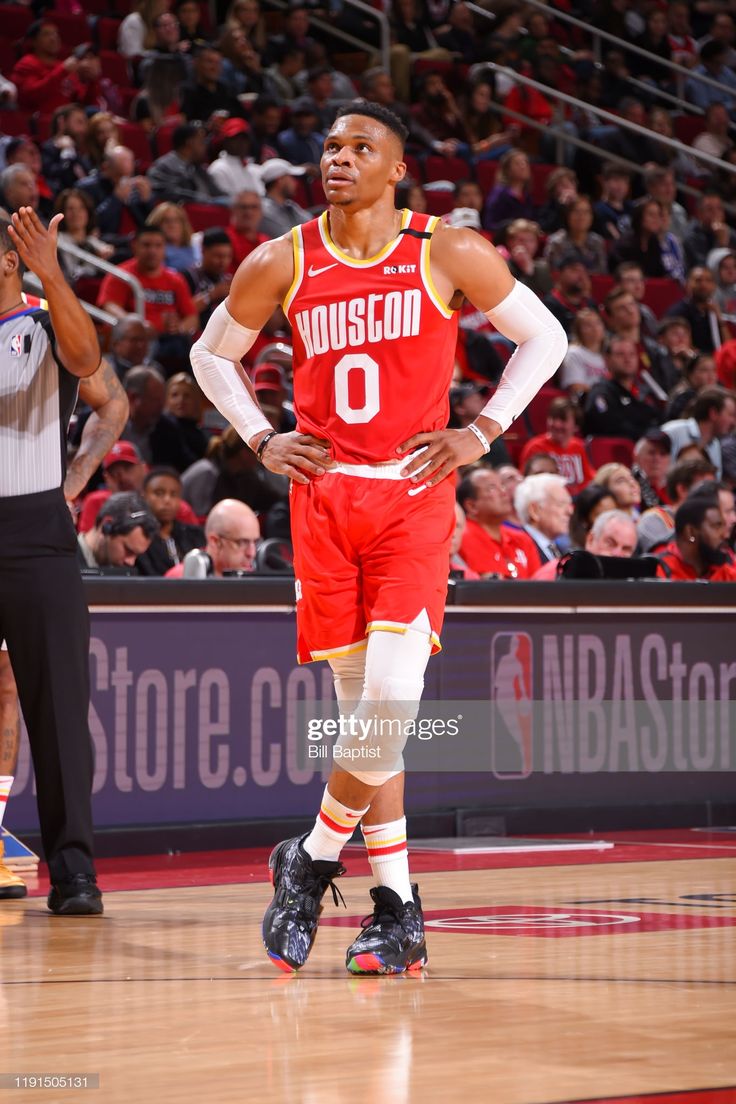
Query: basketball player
point(372, 295)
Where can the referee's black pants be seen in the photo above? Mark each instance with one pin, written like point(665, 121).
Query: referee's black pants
point(45, 622)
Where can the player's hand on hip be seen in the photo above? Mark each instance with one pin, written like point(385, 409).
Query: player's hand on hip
point(35, 244)
point(443, 451)
point(298, 455)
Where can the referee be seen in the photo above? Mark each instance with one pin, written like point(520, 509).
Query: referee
point(43, 612)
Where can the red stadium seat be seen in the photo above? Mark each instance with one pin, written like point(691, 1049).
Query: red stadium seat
point(205, 215)
point(41, 127)
point(540, 174)
point(74, 29)
point(446, 168)
point(15, 122)
point(15, 21)
point(600, 285)
point(439, 203)
point(536, 413)
point(87, 288)
point(106, 35)
point(485, 172)
point(414, 168)
point(115, 66)
point(688, 127)
point(660, 294)
point(135, 138)
point(162, 139)
point(609, 450)
point(317, 195)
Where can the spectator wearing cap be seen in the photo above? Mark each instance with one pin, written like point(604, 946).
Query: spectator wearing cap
point(207, 94)
point(44, 82)
point(656, 525)
point(123, 471)
point(232, 533)
point(713, 417)
point(562, 443)
point(302, 142)
point(280, 212)
point(209, 282)
point(269, 385)
point(584, 363)
point(162, 494)
point(179, 175)
point(544, 506)
point(577, 236)
point(243, 229)
point(570, 292)
point(123, 530)
point(231, 170)
point(698, 551)
point(488, 545)
point(613, 407)
point(700, 308)
point(651, 462)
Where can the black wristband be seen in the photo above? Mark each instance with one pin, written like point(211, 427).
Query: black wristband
point(264, 442)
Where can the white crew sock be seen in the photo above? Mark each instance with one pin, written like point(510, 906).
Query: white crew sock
point(333, 828)
point(389, 856)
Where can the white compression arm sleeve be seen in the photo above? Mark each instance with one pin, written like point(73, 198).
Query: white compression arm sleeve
point(216, 364)
point(542, 343)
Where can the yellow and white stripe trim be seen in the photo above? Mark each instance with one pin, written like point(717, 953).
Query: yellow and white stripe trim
point(353, 262)
point(347, 649)
point(426, 271)
point(297, 245)
point(398, 627)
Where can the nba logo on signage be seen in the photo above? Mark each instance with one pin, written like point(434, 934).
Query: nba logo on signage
point(512, 692)
point(16, 345)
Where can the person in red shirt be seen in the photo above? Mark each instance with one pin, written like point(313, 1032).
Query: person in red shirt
point(44, 82)
point(169, 308)
point(698, 551)
point(245, 218)
point(562, 443)
point(488, 546)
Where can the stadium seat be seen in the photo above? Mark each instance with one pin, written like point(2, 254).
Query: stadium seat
point(540, 174)
point(106, 36)
point(15, 21)
point(485, 172)
point(87, 288)
point(161, 140)
point(135, 138)
point(536, 413)
point(660, 294)
point(600, 285)
point(15, 122)
point(317, 195)
point(688, 127)
point(414, 168)
point(41, 127)
point(205, 215)
point(446, 168)
point(609, 450)
point(115, 66)
point(439, 203)
point(74, 29)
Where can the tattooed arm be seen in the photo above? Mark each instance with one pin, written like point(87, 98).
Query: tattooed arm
point(104, 393)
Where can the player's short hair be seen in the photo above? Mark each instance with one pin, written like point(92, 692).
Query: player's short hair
point(6, 242)
point(381, 114)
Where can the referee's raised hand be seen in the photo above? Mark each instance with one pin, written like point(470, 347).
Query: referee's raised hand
point(36, 245)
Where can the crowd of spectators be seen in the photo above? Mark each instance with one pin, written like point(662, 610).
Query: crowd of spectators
point(175, 142)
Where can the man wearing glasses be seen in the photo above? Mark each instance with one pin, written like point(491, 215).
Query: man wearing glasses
point(232, 533)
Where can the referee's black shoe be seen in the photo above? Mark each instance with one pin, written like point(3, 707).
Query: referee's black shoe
point(76, 896)
point(300, 883)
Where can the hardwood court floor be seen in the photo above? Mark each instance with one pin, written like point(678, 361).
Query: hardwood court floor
point(547, 983)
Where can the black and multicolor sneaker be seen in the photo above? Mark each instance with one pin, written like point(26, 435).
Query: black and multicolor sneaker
point(300, 883)
point(392, 940)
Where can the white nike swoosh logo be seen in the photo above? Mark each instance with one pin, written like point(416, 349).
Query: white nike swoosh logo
point(318, 271)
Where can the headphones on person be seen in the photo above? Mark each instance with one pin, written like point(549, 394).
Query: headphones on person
point(112, 528)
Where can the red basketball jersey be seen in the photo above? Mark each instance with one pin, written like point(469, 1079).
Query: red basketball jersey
point(374, 345)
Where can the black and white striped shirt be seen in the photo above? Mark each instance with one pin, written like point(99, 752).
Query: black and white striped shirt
point(37, 398)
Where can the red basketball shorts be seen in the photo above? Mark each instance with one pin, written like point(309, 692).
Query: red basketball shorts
point(367, 555)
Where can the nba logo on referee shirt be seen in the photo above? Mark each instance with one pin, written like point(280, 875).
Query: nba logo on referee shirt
point(512, 706)
point(16, 345)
